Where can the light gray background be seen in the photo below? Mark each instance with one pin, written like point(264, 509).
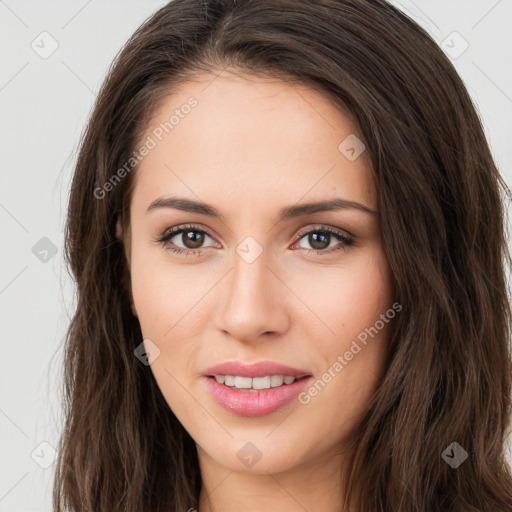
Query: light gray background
point(45, 103)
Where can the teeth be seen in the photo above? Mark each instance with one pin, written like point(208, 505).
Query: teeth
point(262, 382)
point(276, 380)
point(243, 382)
point(270, 381)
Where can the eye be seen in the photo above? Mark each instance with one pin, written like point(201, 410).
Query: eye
point(190, 236)
point(321, 238)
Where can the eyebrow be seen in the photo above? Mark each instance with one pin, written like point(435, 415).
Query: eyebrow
point(188, 205)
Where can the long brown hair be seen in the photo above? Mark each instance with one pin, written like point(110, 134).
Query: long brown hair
point(443, 228)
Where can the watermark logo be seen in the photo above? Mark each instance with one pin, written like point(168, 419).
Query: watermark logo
point(44, 455)
point(454, 455)
point(454, 45)
point(249, 249)
point(44, 45)
point(352, 147)
point(44, 250)
point(147, 352)
point(249, 454)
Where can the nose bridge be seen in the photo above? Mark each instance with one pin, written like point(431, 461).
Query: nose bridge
point(251, 306)
point(249, 284)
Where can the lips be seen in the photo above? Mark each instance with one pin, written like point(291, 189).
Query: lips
point(259, 369)
point(254, 403)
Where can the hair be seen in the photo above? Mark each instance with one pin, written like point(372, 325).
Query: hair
point(443, 226)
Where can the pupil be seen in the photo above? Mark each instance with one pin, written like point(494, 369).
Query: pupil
point(316, 244)
point(193, 239)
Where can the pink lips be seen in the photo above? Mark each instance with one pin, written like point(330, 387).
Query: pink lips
point(260, 369)
point(254, 403)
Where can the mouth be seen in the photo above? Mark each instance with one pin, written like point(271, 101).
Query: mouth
point(255, 384)
point(255, 389)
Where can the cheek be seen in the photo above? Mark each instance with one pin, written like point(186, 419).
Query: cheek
point(166, 296)
point(347, 299)
point(354, 303)
point(168, 304)
point(173, 311)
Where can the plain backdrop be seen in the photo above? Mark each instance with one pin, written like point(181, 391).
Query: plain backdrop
point(55, 55)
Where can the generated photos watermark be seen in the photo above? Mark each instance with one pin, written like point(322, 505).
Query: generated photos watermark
point(343, 359)
point(157, 135)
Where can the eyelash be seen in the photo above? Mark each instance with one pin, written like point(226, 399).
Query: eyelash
point(164, 239)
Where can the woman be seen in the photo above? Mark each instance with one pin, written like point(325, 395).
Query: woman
point(288, 238)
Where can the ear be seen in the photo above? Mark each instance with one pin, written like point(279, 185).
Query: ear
point(128, 287)
point(127, 282)
point(119, 228)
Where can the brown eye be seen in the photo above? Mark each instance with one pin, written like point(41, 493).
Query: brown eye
point(192, 239)
point(323, 238)
point(319, 241)
point(189, 239)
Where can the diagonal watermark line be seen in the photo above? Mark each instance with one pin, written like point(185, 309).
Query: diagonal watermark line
point(14, 486)
point(12, 280)
point(199, 403)
point(14, 218)
point(414, 15)
point(213, 79)
point(295, 89)
point(170, 329)
point(14, 14)
point(281, 422)
point(14, 76)
point(210, 492)
point(346, 421)
point(193, 192)
point(492, 81)
point(222, 481)
point(14, 423)
point(78, 77)
point(307, 192)
point(287, 492)
point(301, 300)
point(76, 14)
point(424, 14)
point(486, 14)
point(406, 488)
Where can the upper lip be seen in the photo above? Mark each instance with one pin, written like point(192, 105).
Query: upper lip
point(259, 369)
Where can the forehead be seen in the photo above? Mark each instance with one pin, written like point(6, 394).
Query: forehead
point(242, 139)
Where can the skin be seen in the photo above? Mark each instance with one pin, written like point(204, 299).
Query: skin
point(249, 148)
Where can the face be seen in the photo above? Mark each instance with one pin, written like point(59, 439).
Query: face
point(248, 285)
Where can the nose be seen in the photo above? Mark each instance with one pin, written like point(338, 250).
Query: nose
point(252, 302)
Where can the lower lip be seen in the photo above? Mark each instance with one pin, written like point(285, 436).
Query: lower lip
point(254, 403)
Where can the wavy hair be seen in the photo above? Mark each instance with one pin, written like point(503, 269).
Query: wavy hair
point(443, 225)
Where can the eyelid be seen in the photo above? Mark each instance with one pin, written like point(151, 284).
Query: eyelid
point(346, 239)
point(325, 227)
point(180, 228)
